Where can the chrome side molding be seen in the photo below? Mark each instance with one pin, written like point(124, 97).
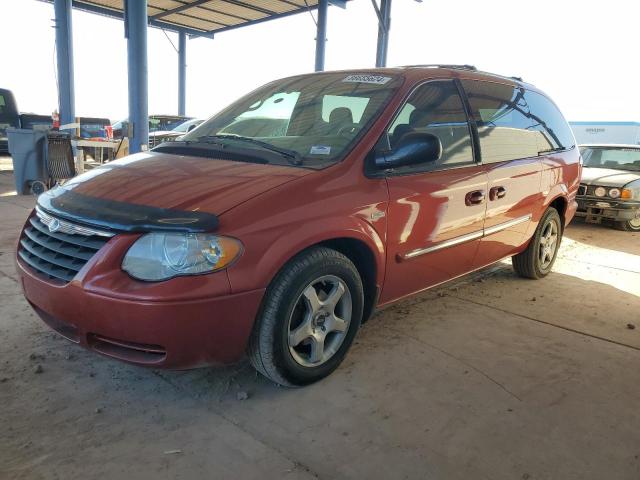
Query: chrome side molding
point(464, 238)
point(439, 246)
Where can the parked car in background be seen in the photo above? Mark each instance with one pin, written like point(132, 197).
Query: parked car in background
point(383, 183)
point(156, 138)
point(157, 123)
point(9, 117)
point(610, 185)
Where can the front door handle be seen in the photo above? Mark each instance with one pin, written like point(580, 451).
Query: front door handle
point(497, 192)
point(474, 198)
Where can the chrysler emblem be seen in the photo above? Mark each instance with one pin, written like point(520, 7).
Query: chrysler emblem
point(54, 225)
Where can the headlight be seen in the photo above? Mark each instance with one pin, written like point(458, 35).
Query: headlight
point(600, 192)
point(161, 256)
point(614, 192)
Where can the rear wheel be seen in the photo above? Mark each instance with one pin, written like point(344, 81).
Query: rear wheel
point(310, 315)
point(629, 225)
point(538, 259)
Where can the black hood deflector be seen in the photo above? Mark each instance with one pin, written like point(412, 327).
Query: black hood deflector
point(122, 216)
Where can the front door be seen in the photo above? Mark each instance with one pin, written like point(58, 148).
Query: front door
point(436, 210)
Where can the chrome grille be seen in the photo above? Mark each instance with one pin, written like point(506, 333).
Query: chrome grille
point(56, 249)
point(582, 190)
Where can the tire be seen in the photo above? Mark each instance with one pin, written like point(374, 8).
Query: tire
point(529, 263)
point(629, 225)
point(299, 339)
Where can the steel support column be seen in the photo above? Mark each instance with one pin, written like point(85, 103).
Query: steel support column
point(182, 73)
point(384, 24)
point(321, 34)
point(136, 33)
point(64, 51)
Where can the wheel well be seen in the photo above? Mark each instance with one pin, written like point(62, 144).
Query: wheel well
point(560, 204)
point(362, 257)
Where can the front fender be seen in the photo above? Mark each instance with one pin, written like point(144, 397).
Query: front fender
point(259, 266)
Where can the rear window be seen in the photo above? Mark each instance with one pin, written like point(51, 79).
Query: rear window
point(515, 123)
point(554, 131)
point(503, 120)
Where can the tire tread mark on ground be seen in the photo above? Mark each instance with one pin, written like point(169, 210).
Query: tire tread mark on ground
point(463, 362)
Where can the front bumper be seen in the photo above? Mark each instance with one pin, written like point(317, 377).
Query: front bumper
point(175, 334)
point(597, 209)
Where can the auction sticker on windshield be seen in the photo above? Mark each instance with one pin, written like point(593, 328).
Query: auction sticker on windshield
point(320, 150)
point(364, 78)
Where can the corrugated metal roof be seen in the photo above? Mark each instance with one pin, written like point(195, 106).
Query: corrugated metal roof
point(203, 17)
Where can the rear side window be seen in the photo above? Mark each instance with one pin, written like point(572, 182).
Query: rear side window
point(553, 131)
point(504, 123)
point(435, 108)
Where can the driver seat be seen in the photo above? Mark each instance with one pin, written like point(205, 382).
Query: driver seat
point(338, 118)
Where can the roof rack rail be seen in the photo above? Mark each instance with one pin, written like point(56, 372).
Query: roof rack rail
point(444, 65)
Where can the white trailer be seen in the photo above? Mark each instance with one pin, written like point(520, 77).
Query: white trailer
point(606, 132)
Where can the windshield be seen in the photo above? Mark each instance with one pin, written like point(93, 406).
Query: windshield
point(317, 117)
point(618, 158)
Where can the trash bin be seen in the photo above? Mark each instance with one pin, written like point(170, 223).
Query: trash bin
point(28, 152)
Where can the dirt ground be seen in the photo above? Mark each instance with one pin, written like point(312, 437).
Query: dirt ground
point(489, 377)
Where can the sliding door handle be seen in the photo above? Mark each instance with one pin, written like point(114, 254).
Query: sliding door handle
point(497, 192)
point(474, 198)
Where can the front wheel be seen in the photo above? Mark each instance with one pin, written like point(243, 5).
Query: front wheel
point(538, 259)
point(629, 225)
point(310, 315)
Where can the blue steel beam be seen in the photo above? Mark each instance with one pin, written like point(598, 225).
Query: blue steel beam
point(182, 73)
point(384, 24)
point(135, 22)
point(321, 34)
point(64, 51)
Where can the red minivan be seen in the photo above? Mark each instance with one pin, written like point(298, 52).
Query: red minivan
point(277, 226)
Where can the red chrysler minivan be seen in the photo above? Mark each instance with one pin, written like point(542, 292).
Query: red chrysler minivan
point(277, 226)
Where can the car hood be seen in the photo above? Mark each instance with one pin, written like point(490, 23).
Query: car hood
point(607, 177)
point(180, 182)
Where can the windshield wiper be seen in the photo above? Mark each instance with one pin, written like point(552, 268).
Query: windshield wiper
point(291, 155)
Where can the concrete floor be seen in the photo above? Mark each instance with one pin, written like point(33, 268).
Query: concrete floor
point(490, 377)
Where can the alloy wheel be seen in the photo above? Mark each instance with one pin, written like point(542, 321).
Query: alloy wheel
point(319, 321)
point(548, 244)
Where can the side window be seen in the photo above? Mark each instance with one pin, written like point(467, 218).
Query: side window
point(505, 127)
point(552, 129)
point(435, 108)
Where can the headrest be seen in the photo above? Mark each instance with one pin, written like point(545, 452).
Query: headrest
point(341, 115)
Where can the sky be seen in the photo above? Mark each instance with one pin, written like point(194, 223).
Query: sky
point(583, 53)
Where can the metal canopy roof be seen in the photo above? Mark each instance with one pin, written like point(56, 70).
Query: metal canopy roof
point(204, 17)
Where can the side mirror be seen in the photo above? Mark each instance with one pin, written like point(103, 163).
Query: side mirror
point(413, 148)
